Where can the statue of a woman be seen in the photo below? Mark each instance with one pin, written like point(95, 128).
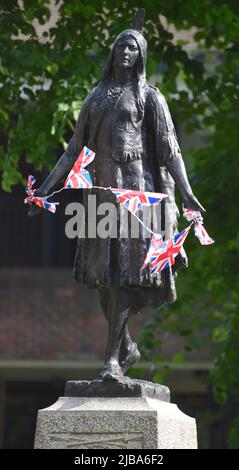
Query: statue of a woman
point(128, 125)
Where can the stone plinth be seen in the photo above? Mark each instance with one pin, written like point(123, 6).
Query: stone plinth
point(114, 423)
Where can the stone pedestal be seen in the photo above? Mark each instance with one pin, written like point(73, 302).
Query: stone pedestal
point(123, 422)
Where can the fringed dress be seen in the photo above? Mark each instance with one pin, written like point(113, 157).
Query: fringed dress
point(132, 145)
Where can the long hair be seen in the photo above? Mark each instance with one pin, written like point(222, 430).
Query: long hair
point(139, 68)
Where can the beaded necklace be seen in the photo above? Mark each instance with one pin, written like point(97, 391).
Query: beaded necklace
point(115, 92)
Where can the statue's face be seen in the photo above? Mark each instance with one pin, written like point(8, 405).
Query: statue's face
point(126, 52)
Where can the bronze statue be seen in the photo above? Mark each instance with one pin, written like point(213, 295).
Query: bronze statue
point(127, 123)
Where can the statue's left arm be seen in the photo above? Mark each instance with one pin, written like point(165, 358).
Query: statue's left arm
point(167, 148)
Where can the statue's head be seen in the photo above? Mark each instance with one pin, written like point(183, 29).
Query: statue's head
point(129, 50)
point(126, 52)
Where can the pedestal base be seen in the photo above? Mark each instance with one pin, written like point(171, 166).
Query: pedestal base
point(114, 423)
point(125, 388)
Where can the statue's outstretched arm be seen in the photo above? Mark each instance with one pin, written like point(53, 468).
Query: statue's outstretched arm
point(67, 160)
point(177, 170)
point(167, 149)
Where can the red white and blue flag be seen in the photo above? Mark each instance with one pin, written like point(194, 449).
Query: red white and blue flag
point(202, 234)
point(156, 241)
point(191, 215)
point(44, 204)
point(79, 177)
point(134, 200)
point(30, 182)
point(199, 229)
point(39, 201)
point(167, 251)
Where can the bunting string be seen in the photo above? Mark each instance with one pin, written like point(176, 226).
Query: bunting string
point(161, 254)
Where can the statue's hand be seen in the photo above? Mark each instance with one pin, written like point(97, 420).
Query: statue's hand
point(34, 209)
point(191, 202)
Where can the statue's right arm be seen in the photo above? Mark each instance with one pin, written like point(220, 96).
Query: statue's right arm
point(67, 160)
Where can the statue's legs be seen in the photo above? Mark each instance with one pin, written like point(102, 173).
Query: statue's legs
point(117, 316)
point(127, 343)
point(129, 353)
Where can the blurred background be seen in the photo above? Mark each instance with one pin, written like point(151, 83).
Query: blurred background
point(52, 53)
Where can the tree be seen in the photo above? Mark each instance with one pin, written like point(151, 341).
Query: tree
point(43, 82)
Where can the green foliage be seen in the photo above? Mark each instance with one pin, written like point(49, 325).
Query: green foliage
point(43, 82)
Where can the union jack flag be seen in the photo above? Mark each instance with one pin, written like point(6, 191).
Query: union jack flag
point(156, 241)
point(134, 200)
point(167, 252)
point(190, 214)
point(78, 176)
point(39, 201)
point(199, 229)
point(202, 234)
point(44, 204)
point(30, 182)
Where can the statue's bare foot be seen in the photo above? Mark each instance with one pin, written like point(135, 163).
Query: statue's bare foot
point(131, 356)
point(111, 372)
